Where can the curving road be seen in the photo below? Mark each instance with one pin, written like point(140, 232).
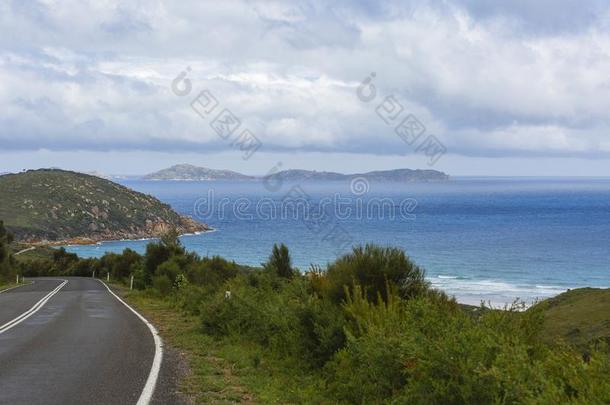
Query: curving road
point(70, 341)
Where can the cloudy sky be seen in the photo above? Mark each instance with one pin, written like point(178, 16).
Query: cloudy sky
point(507, 88)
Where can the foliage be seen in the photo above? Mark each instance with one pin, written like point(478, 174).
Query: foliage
point(577, 317)
point(375, 269)
point(7, 264)
point(418, 351)
point(368, 329)
point(50, 204)
point(280, 262)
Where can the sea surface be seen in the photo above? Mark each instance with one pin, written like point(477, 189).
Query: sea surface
point(479, 239)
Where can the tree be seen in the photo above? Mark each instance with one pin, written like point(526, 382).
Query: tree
point(6, 239)
point(280, 261)
point(159, 253)
point(6, 260)
point(171, 239)
point(64, 262)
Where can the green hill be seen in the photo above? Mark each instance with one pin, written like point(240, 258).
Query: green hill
point(578, 316)
point(190, 172)
point(57, 205)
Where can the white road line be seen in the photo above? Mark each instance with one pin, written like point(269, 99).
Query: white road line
point(33, 310)
point(151, 382)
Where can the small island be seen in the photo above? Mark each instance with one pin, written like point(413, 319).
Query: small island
point(185, 172)
point(63, 207)
point(193, 173)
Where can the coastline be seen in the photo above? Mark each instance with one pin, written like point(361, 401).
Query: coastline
point(84, 241)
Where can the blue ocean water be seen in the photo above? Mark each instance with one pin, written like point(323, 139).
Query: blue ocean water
point(490, 239)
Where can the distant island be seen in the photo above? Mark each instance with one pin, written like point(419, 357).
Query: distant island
point(194, 173)
point(51, 205)
point(190, 172)
point(397, 175)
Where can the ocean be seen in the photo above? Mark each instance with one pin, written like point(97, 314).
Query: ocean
point(480, 239)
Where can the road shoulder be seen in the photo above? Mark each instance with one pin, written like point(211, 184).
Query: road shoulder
point(191, 372)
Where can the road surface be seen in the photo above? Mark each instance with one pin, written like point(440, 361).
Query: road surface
point(71, 341)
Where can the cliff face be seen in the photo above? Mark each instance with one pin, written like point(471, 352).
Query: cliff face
point(57, 205)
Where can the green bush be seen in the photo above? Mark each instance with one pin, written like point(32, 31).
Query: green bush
point(374, 268)
point(162, 284)
point(322, 331)
point(369, 324)
point(7, 264)
point(169, 269)
point(371, 365)
point(280, 262)
point(257, 313)
point(211, 272)
point(424, 351)
point(190, 298)
point(121, 266)
point(283, 316)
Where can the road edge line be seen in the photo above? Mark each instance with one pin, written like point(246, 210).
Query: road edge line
point(35, 308)
point(153, 376)
point(17, 286)
point(23, 284)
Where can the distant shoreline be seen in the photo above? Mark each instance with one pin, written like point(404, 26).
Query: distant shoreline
point(89, 241)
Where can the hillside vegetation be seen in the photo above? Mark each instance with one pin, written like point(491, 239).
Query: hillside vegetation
point(366, 329)
point(7, 262)
point(57, 205)
point(579, 317)
point(190, 172)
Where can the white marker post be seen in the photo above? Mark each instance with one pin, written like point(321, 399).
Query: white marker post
point(93, 275)
point(17, 278)
point(108, 277)
point(131, 284)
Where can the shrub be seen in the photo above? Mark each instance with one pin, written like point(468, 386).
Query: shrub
point(425, 351)
point(321, 330)
point(169, 269)
point(121, 266)
point(156, 254)
point(6, 239)
point(374, 268)
point(7, 265)
point(162, 284)
point(212, 272)
point(282, 316)
point(280, 262)
point(190, 298)
point(257, 313)
point(160, 252)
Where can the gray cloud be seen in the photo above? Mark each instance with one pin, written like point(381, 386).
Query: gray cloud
point(542, 17)
point(506, 79)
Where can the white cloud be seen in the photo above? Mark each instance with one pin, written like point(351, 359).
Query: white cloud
point(96, 75)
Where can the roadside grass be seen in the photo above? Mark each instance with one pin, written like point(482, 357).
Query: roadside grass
point(227, 371)
point(224, 371)
point(6, 286)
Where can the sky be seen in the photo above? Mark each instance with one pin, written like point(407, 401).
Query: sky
point(129, 87)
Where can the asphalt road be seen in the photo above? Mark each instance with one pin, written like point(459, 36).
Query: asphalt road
point(80, 346)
